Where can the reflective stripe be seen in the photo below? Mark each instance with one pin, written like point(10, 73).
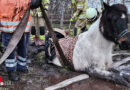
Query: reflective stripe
point(11, 29)
point(10, 60)
point(42, 37)
point(8, 29)
point(22, 63)
point(5, 23)
point(82, 16)
point(80, 6)
point(11, 65)
point(27, 29)
point(21, 58)
point(29, 23)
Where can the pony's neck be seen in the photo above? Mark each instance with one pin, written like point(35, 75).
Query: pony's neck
point(97, 38)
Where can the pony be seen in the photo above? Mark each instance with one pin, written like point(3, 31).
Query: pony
point(92, 52)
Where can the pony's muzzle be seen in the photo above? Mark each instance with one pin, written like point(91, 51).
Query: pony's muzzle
point(124, 42)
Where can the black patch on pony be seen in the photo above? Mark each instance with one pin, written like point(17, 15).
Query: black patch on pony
point(112, 23)
point(50, 44)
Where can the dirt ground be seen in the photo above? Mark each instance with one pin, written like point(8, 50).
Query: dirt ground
point(42, 75)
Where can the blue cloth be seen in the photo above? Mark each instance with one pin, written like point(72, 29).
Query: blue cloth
point(27, 38)
point(12, 63)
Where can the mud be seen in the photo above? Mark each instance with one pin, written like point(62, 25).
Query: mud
point(42, 75)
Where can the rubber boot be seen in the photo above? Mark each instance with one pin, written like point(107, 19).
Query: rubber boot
point(75, 31)
point(13, 76)
point(33, 30)
point(42, 30)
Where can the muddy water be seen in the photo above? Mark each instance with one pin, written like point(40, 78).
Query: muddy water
point(41, 77)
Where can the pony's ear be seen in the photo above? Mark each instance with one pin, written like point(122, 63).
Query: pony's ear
point(106, 6)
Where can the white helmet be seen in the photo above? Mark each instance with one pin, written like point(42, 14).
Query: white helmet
point(91, 13)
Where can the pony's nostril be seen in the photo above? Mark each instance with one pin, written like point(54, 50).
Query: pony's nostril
point(122, 40)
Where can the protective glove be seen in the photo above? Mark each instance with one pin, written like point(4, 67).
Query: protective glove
point(35, 4)
point(71, 20)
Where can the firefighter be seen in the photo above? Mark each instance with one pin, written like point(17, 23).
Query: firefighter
point(91, 16)
point(38, 27)
point(11, 13)
point(79, 8)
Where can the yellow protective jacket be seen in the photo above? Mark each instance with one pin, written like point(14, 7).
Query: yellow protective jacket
point(11, 13)
point(46, 4)
point(79, 7)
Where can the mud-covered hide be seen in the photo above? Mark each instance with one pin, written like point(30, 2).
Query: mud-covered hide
point(122, 65)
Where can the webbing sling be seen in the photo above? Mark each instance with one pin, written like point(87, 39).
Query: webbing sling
point(16, 36)
point(64, 61)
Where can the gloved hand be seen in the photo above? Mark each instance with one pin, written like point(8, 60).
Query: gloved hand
point(35, 4)
point(45, 9)
point(71, 20)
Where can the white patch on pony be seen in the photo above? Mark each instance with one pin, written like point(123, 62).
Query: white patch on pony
point(56, 62)
point(102, 29)
point(92, 49)
point(123, 16)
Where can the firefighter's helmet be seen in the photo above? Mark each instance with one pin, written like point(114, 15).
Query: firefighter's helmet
point(91, 13)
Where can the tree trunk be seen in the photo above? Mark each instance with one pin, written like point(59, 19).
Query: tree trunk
point(62, 14)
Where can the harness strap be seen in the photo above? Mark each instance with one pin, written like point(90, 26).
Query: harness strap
point(64, 60)
point(123, 33)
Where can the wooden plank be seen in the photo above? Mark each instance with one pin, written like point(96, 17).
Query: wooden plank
point(68, 82)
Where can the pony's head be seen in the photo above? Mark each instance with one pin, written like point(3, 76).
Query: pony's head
point(114, 24)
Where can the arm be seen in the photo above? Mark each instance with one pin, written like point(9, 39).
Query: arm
point(46, 4)
point(80, 7)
